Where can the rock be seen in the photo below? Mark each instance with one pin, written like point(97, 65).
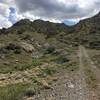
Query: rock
point(17, 61)
point(46, 46)
point(3, 78)
point(54, 78)
point(36, 55)
point(38, 44)
point(6, 63)
point(27, 47)
point(29, 98)
point(70, 85)
point(45, 84)
point(18, 77)
point(2, 56)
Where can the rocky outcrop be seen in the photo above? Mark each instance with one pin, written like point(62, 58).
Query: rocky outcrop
point(27, 47)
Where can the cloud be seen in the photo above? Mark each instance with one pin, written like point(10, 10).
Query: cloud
point(4, 10)
point(4, 22)
point(8, 13)
point(4, 14)
point(53, 10)
point(58, 9)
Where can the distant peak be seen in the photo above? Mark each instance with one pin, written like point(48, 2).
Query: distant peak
point(38, 20)
point(98, 14)
point(22, 22)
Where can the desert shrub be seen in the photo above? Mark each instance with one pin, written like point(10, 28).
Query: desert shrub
point(17, 51)
point(48, 71)
point(29, 92)
point(36, 62)
point(12, 92)
point(12, 46)
point(61, 59)
point(27, 37)
point(19, 31)
point(22, 67)
point(50, 50)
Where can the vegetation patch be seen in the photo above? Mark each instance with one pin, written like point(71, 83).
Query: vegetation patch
point(13, 92)
point(72, 66)
point(90, 76)
point(48, 71)
point(95, 56)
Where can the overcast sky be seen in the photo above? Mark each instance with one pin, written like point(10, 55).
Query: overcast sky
point(68, 11)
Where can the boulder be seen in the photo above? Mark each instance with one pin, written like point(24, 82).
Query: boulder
point(36, 55)
point(45, 84)
point(27, 47)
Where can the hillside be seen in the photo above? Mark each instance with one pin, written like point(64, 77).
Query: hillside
point(31, 53)
point(86, 32)
point(40, 26)
point(26, 37)
point(89, 31)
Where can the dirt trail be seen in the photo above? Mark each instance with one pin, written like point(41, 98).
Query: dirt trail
point(65, 89)
point(82, 76)
point(93, 67)
point(95, 71)
point(69, 86)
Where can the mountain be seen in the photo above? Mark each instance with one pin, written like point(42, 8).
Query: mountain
point(29, 39)
point(89, 31)
point(34, 54)
point(26, 40)
point(40, 26)
point(86, 32)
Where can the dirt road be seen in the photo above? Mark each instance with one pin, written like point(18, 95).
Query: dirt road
point(95, 71)
point(69, 86)
point(91, 63)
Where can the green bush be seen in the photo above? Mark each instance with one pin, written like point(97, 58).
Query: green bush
point(62, 59)
point(50, 50)
point(29, 92)
point(12, 92)
point(36, 62)
point(17, 51)
point(48, 71)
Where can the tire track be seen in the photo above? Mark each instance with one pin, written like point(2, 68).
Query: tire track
point(84, 89)
point(69, 86)
point(95, 71)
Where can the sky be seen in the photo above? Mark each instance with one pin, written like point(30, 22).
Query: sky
point(68, 11)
